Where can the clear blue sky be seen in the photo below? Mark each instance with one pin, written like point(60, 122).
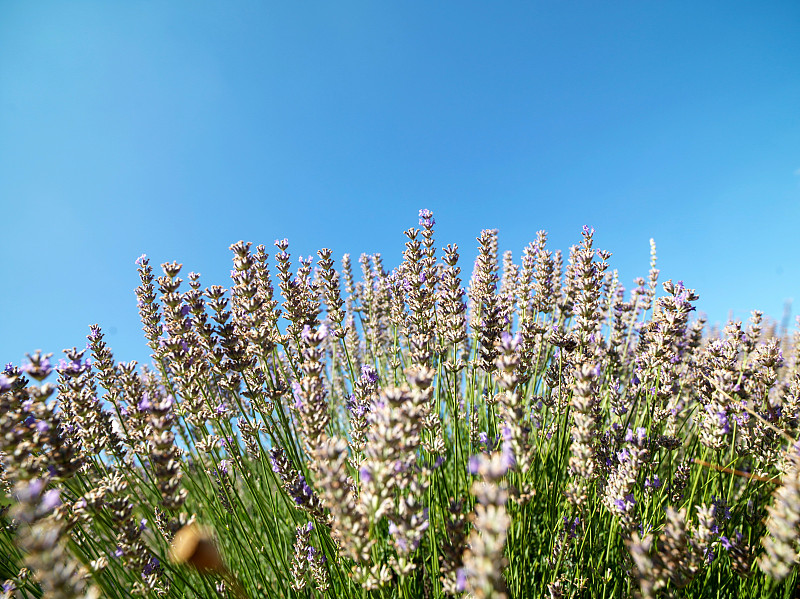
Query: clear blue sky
point(177, 128)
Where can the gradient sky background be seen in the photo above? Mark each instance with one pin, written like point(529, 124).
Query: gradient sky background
point(177, 128)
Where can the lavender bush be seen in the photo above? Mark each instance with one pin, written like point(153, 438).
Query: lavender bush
point(541, 433)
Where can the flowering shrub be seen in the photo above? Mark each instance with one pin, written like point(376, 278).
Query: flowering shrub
point(543, 433)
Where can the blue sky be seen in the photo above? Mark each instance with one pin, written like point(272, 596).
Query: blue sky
point(177, 128)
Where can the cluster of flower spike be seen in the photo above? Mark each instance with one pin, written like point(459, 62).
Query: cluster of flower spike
point(539, 430)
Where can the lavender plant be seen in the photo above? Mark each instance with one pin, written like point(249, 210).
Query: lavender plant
point(540, 433)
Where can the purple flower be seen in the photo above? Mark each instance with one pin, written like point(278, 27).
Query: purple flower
point(118, 552)
point(365, 474)
point(144, 404)
point(461, 579)
point(73, 368)
point(508, 459)
point(369, 374)
point(641, 435)
point(298, 397)
point(741, 418)
point(40, 370)
point(510, 340)
point(721, 507)
point(152, 566)
point(653, 483)
point(571, 527)
point(141, 260)
point(426, 218)
point(399, 539)
point(35, 488)
point(721, 418)
point(306, 491)
point(624, 504)
point(353, 406)
point(51, 500)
